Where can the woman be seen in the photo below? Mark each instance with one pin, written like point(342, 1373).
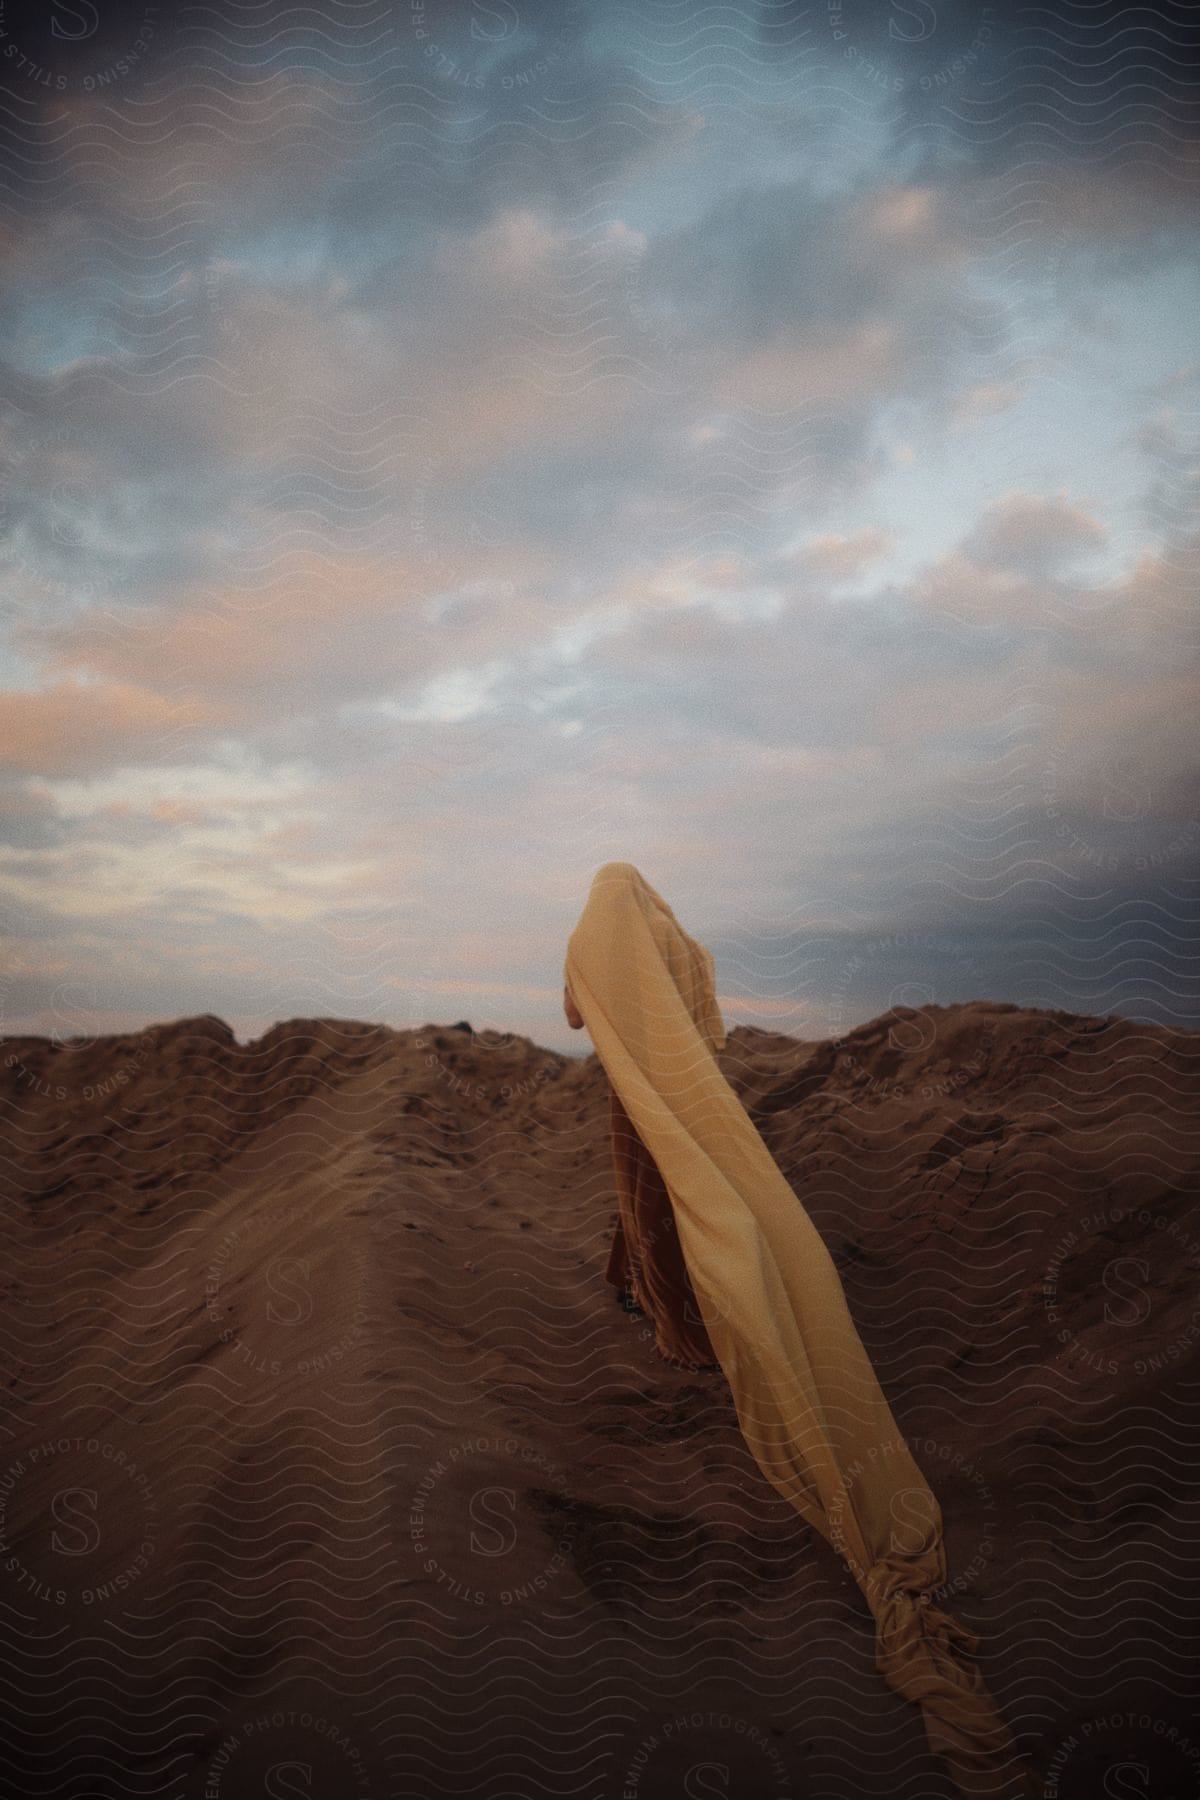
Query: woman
point(646, 1264)
point(771, 1303)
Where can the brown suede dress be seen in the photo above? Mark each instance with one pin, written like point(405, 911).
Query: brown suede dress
point(646, 1260)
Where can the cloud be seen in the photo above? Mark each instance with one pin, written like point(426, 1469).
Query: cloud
point(959, 588)
point(843, 556)
point(784, 263)
point(833, 368)
point(1033, 534)
point(419, 490)
point(72, 726)
point(987, 398)
point(816, 311)
point(1019, 566)
point(1124, 750)
point(320, 631)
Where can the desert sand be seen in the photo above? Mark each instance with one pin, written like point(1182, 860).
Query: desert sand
point(331, 1465)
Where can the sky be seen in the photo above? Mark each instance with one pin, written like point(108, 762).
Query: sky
point(446, 447)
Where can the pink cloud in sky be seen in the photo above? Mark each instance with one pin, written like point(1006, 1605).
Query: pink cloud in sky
point(830, 368)
point(841, 556)
point(319, 626)
point(75, 727)
point(1034, 532)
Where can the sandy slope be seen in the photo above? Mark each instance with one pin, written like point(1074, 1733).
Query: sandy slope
point(331, 1466)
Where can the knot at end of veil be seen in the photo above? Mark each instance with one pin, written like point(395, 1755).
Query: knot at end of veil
point(923, 1652)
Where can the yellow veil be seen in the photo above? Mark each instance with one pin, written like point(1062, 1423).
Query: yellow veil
point(807, 1398)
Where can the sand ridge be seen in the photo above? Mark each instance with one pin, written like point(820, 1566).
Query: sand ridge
point(327, 1449)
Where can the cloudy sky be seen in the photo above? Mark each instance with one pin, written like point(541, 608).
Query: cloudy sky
point(449, 446)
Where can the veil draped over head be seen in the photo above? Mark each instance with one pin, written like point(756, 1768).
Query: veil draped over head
point(808, 1402)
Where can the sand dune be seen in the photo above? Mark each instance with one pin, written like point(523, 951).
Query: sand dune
point(331, 1465)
